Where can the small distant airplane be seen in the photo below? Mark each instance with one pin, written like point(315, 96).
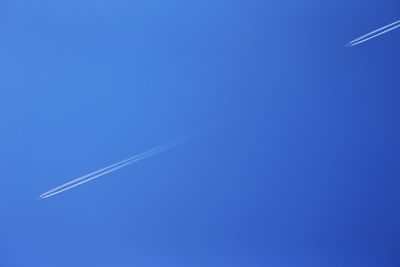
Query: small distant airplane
point(375, 33)
point(116, 166)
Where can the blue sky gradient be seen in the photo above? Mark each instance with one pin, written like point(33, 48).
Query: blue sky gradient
point(302, 168)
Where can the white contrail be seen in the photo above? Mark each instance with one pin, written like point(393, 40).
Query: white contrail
point(375, 33)
point(111, 168)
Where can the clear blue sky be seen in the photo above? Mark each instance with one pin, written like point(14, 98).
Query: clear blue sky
point(303, 169)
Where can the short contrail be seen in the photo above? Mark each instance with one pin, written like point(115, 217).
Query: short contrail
point(119, 165)
point(375, 33)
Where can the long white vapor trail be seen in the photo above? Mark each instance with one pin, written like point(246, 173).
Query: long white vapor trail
point(113, 167)
point(375, 33)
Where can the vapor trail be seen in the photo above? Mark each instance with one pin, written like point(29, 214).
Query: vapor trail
point(375, 33)
point(123, 163)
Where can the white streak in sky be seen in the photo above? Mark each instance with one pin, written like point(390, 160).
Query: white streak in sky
point(375, 33)
point(111, 168)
